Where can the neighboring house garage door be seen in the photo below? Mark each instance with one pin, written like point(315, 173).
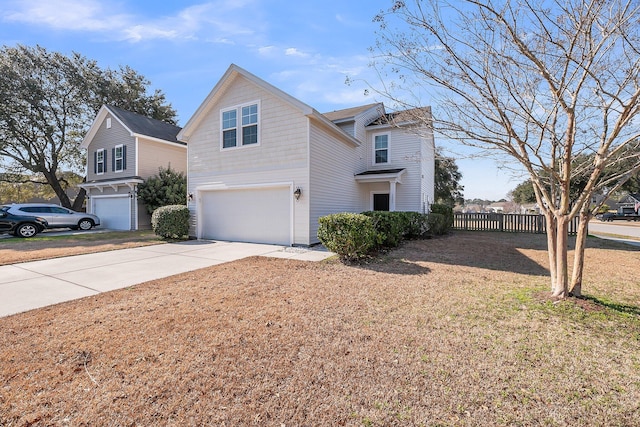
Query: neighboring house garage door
point(114, 212)
point(259, 215)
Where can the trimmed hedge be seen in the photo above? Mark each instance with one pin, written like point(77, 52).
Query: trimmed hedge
point(394, 227)
point(389, 228)
point(444, 210)
point(437, 224)
point(355, 236)
point(171, 222)
point(351, 236)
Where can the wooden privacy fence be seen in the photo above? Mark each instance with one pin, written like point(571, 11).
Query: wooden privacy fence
point(515, 223)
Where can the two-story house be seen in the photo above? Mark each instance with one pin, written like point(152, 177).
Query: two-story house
point(123, 149)
point(264, 166)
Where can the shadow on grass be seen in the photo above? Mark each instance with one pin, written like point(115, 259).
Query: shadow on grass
point(603, 241)
point(393, 265)
point(620, 308)
point(509, 252)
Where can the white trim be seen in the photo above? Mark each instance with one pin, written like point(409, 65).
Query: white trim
point(104, 166)
point(136, 143)
point(238, 109)
point(373, 148)
point(223, 187)
point(115, 158)
point(112, 196)
point(108, 121)
point(371, 194)
point(129, 182)
point(381, 177)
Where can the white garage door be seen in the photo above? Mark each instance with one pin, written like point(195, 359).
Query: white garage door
point(259, 215)
point(114, 212)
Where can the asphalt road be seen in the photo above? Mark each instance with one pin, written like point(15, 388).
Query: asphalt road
point(618, 228)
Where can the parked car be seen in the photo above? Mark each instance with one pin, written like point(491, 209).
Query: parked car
point(21, 225)
point(56, 216)
point(612, 216)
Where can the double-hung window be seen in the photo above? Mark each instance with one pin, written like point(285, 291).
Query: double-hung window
point(118, 158)
point(100, 161)
point(240, 126)
point(381, 149)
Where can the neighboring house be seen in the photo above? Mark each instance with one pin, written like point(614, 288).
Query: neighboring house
point(630, 204)
point(264, 166)
point(123, 149)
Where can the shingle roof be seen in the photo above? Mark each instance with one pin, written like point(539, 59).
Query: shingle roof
point(347, 112)
point(380, 172)
point(422, 114)
point(139, 124)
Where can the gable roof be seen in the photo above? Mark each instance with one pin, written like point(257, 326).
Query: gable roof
point(137, 125)
point(420, 115)
point(234, 71)
point(350, 113)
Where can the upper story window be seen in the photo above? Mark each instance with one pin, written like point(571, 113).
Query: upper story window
point(108, 122)
point(100, 160)
point(242, 132)
point(381, 149)
point(118, 158)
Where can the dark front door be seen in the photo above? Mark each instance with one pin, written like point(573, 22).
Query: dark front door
point(381, 202)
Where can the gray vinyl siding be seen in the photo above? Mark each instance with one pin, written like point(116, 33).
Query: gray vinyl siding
point(107, 139)
point(333, 186)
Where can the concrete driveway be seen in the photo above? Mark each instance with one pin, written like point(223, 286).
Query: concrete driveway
point(36, 284)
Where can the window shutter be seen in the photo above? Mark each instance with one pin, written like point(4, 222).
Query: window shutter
point(113, 159)
point(104, 160)
point(95, 162)
point(124, 157)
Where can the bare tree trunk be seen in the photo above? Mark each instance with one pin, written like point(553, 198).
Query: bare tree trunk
point(79, 200)
point(578, 257)
point(561, 289)
point(551, 246)
point(55, 184)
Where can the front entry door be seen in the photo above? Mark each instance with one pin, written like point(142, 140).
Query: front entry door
point(381, 202)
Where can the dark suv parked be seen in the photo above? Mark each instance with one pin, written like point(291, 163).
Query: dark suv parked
point(21, 225)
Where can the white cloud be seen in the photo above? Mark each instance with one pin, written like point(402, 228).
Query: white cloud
point(218, 20)
point(267, 50)
point(64, 14)
point(292, 51)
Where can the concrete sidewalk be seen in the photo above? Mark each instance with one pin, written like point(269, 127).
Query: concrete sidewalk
point(36, 284)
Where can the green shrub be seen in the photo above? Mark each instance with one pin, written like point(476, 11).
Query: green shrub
point(171, 222)
point(169, 187)
point(415, 224)
point(445, 211)
point(437, 224)
point(351, 236)
point(393, 227)
point(389, 227)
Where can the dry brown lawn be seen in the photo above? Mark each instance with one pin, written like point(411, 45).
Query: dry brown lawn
point(43, 246)
point(453, 331)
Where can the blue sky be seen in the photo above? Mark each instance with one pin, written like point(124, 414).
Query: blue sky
point(306, 48)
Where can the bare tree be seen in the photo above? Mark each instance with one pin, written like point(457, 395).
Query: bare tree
point(539, 82)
